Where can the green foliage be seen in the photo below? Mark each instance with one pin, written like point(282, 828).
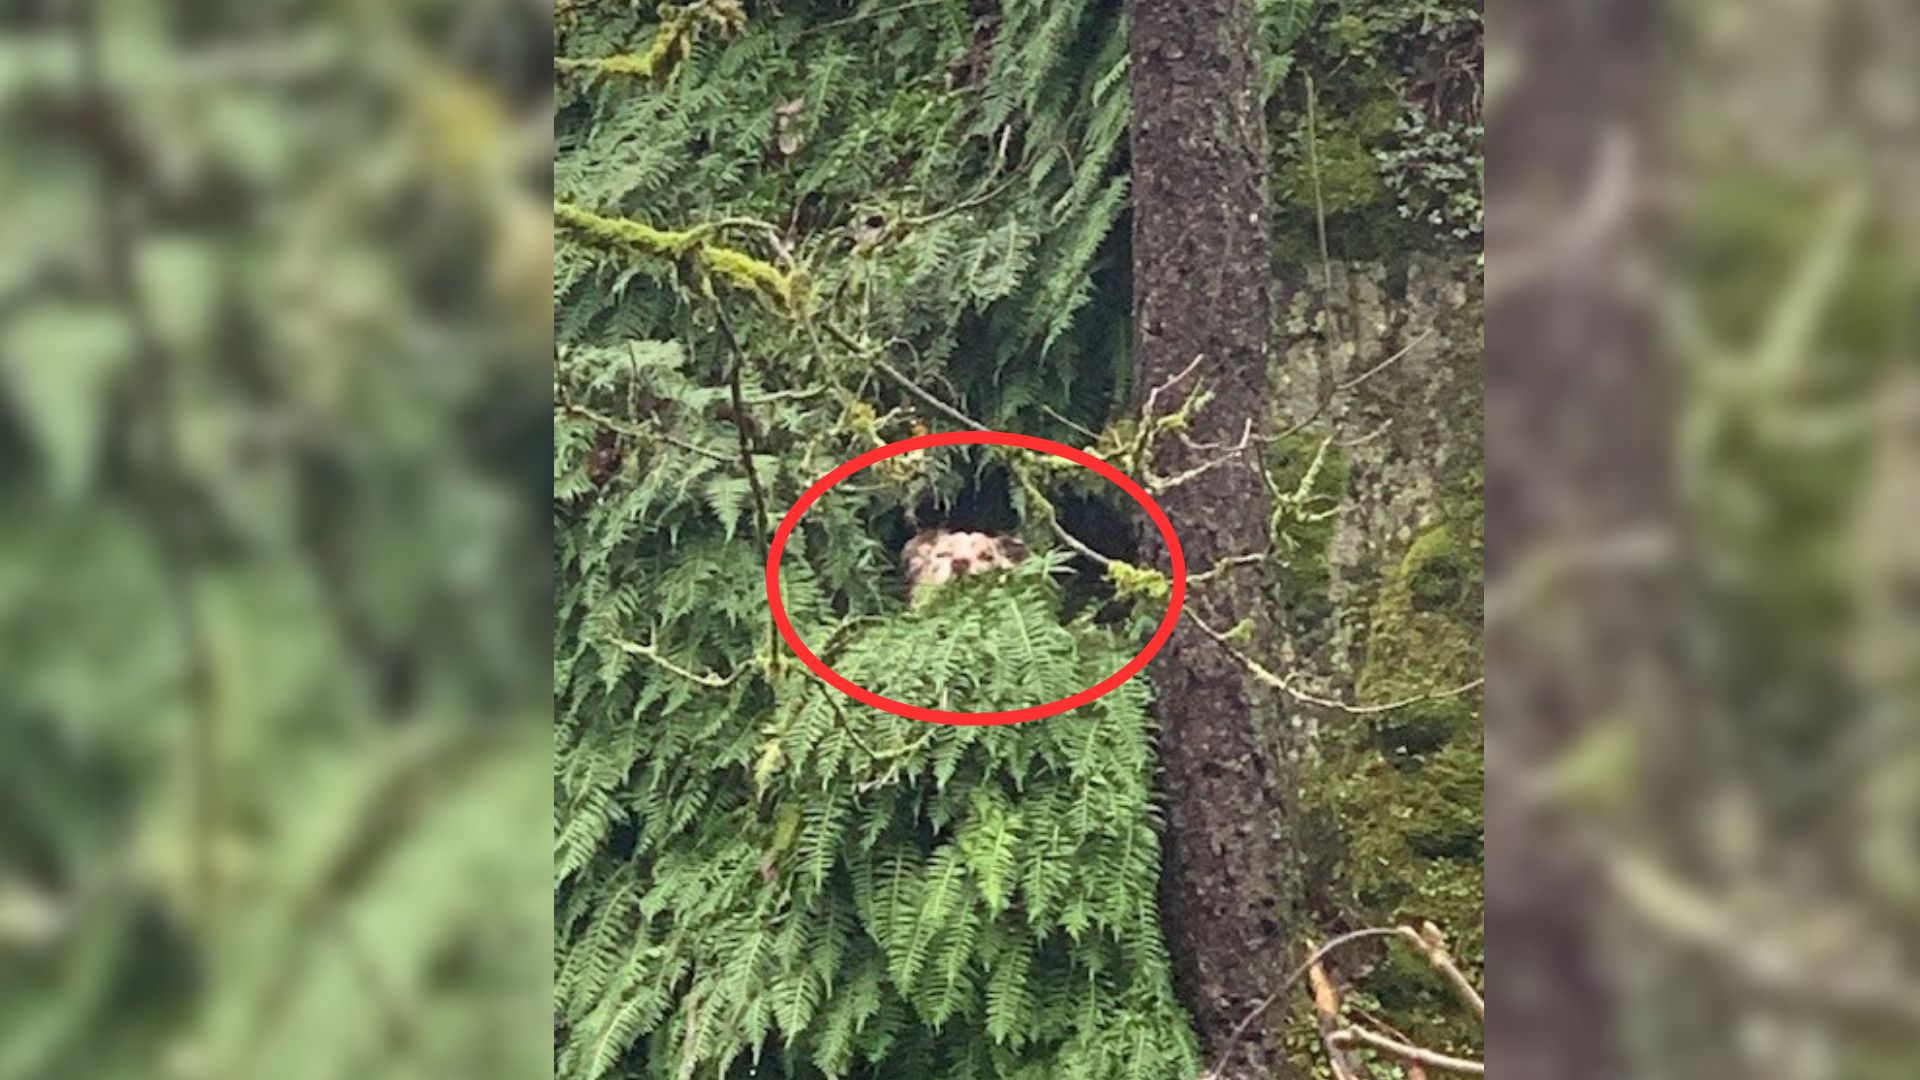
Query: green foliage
point(1313, 478)
point(1436, 174)
point(1796, 308)
point(750, 867)
point(752, 872)
point(273, 732)
point(951, 188)
point(1402, 788)
point(1377, 114)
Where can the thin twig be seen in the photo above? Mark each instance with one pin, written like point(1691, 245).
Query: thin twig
point(1384, 364)
point(762, 509)
point(694, 448)
point(1053, 520)
point(1153, 395)
point(1221, 566)
point(397, 1018)
point(1403, 933)
point(652, 652)
point(1433, 945)
point(1232, 453)
point(1603, 210)
point(1269, 678)
point(865, 15)
point(1089, 433)
point(1407, 1052)
point(871, 353)
point(915, 389)
point(984, 197)
point(761, 505)
point(1313, 171)
point(636, 431)
point(608, 421)
point(1326, 1017)
point(1286, 984)
point(1377, 433)
point(1375, 1021)
point(1684, 914)
point(1638, 548)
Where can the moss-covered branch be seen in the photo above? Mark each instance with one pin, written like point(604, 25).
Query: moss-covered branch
point(688, 247)
point(672, 43)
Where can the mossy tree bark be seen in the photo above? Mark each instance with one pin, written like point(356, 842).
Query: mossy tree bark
point(1202, 258)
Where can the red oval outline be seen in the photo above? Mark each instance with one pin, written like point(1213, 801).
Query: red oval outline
point(1176, 598)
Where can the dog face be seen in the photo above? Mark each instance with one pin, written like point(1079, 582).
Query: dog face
point(938, 556)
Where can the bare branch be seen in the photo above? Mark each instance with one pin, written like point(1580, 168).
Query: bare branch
point(1153, 395)
point(1384, 364)
point(1407, 1052)
point(1221, 566)
point(1267, 677)
point(636, 431)
point(872, 354)
point(1319, 954)
point(1763, 955)
point(1433, 945)
point(1428, 941)
point(1326, 1015)
point(1246, 439)
point(1605, 208)
point(914, 388)
point(651, 651)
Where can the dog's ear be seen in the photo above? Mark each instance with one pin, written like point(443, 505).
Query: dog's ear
point(1014, 548)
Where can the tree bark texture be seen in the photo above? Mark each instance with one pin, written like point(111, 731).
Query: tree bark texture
point(1202, 260)
point(1576, 435)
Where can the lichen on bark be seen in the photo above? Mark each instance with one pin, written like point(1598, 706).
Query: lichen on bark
point(1380, 602)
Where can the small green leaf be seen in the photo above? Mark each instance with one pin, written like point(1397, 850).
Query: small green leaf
point(59, 367)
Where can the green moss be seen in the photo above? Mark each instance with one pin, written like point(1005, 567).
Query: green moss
point(671, 46)
point(622, 233)
point(1336, 178)
point(1438, 561)
point(1343, 149)
point(1391, 144)
point(1131, 580)
point(636, 239)
point(659, 62)
point(1421, 641)
point(1301, 534)
point(1401, 794)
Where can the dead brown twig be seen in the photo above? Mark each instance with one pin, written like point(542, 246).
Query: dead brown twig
point(1326, 1016)
point(1339, 1034)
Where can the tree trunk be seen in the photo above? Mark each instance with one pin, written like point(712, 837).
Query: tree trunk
point(1202, 291)
point(1576, 413)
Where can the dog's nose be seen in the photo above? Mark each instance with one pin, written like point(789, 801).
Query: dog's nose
point(960, 565)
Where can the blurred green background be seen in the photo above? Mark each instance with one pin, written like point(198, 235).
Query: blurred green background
point(1703, 398)
point(275, 349)
point(274, 556)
